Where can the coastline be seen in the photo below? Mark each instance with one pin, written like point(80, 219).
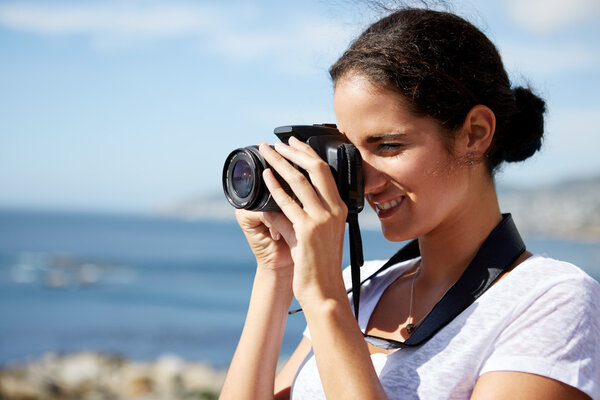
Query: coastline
point(564, 210)
point(94, 375)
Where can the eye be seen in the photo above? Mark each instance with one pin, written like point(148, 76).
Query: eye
point(390, 148)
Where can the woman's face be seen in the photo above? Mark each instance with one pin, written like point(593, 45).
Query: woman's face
point(412, 180)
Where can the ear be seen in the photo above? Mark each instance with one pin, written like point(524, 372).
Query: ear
point(477, 131)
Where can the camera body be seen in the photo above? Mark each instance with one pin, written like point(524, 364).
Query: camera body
point(242, 173)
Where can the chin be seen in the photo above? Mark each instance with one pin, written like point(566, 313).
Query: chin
point(396, 235)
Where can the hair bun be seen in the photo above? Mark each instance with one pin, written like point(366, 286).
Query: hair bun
point(525, 130)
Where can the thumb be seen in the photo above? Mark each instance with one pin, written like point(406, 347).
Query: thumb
point(281, 225)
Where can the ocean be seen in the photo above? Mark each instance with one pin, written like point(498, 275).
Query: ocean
point(144, 286)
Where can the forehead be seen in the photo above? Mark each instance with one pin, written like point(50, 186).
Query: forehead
point(360, 92)
point(362, 106)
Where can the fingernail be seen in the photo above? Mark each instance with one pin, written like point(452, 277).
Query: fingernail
point(268, 176)
point(280, 145)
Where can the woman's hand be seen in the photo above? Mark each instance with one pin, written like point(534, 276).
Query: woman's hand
point(313, 229)
point(271, 251)
point(314, 232)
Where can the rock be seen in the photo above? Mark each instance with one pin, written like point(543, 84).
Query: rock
point(94, 376)
point(14, 386)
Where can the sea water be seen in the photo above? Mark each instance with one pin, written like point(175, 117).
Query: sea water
point(145, 286)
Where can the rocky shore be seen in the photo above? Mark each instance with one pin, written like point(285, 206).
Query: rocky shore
point(95, 376)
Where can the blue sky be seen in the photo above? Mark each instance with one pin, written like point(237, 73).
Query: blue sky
point(134, 105)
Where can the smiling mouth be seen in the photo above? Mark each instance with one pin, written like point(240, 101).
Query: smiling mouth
point(384, 209)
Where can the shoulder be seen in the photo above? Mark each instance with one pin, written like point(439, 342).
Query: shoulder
point(557, 288)
point(548, 322)
point(539, 274)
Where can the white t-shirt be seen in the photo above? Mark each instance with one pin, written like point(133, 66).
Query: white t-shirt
point(542, 318)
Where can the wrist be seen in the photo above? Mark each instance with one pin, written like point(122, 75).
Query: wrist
point(315, 295)
point(328, 316)
point(274, 280)
point(325, 306)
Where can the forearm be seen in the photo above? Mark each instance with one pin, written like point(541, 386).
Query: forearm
point(251, 374)
point(342, 356)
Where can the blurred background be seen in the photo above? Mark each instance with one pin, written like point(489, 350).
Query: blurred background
point(116, 118)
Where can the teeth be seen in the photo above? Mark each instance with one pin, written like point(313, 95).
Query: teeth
point(388, 205)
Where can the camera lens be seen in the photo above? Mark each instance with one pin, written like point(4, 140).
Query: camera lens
point(242, 179)
point(242, 182)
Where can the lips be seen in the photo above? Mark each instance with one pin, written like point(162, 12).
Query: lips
point(386, 208)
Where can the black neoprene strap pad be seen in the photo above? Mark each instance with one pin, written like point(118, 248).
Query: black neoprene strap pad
point(497, 253)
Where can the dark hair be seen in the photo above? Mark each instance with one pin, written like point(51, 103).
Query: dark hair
point(442, 65)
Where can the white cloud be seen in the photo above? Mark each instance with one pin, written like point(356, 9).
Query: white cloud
point(542, 16)
point(131, 18)
point(304, 47)
point(231, 30)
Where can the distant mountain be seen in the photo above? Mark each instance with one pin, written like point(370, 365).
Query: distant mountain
point(570, 209)
point(213, 206)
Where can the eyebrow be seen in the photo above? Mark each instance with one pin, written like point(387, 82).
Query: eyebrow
point(385, 136)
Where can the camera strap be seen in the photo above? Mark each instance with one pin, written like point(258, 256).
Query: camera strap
point(356, 258)
point(498, 252)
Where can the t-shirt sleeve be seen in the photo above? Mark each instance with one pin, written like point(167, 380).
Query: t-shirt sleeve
point(556, 334)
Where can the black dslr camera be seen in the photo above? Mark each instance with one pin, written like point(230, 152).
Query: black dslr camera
point(242, 174)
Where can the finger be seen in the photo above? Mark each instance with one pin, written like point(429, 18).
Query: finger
point(318, 170)
point(265, 223)
point(275, 235)
point(300, 145)
point(288, 204)
point(301, 187)
point(282, 224)
point(248, 219)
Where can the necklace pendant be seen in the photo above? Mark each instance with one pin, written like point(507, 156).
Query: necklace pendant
point(410, 328)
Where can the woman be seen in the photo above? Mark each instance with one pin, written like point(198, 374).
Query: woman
point(424, 96)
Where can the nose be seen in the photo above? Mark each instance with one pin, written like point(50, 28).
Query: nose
point(374, 179)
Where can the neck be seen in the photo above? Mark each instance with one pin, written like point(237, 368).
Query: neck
point(447, 251)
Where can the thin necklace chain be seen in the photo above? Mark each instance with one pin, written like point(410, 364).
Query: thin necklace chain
point(410, 327)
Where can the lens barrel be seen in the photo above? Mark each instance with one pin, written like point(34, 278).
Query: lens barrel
point(243, 183)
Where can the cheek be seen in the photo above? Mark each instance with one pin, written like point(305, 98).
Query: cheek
point(414, 172)
point(442, 186)
point(429, 180)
